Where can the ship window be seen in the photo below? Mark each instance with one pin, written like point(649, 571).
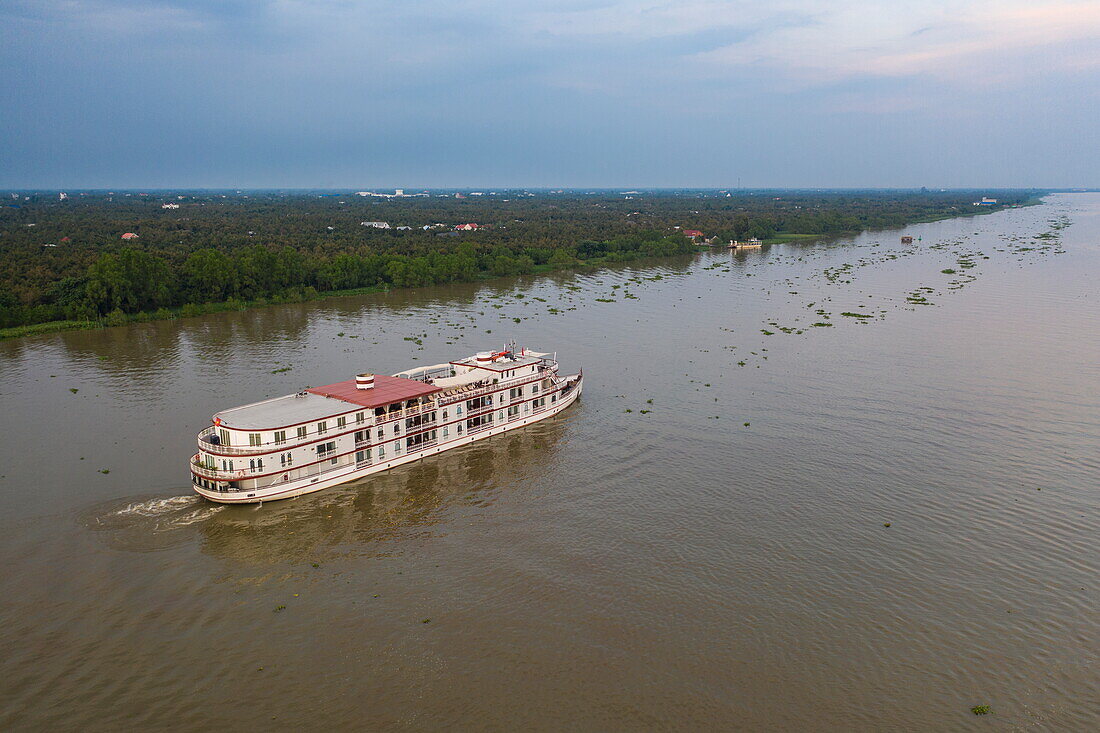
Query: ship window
point(381, 452)
point(361, 435)
point(397, 446)
point(444, 414)
point(526, 406)
point(302, 432)
point(322, 427)
point(359, 417)
point(341, 422)
point(460, 428)
point(252, 465)
point(334, 461)
point(458, 411)
point(535, 388)
point(280, 436)
point(253, 438)
point(361, 456)
point(445, 431)
point(224, 435)
point(380, 433)
point(325, 448)
point(396, 429)
point(553, 398)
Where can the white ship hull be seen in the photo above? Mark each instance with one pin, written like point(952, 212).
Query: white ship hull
point(286, 486)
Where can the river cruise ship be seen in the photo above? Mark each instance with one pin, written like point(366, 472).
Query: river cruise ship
point(324, 436)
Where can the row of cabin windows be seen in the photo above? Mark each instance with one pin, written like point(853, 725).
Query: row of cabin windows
point(255, 439)
point(325, 450)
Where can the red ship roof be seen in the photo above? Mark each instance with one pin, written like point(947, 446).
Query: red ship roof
point(386, 390)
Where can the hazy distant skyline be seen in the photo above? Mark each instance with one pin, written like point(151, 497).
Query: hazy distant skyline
point(485, 93)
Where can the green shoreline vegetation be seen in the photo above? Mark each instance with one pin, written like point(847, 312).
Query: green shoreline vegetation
point(65, 266)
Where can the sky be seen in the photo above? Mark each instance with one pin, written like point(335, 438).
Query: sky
point(574, 93)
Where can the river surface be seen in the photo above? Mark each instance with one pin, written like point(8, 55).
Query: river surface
point(749, 521)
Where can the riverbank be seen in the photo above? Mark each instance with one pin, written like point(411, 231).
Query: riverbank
point(192, 310)
point(118, 318)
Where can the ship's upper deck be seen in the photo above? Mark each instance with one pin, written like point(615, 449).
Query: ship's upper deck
point(319, 403)
point(503, 364)
point(281, 412)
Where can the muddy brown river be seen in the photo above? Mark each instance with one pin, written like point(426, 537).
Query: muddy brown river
point(843, 485)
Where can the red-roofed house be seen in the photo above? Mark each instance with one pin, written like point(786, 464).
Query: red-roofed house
point(466, 227)
point(692, 233)
point(129, 235)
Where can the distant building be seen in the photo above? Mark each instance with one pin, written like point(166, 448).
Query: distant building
point(169, 206)
point(129, 235)
point(64, 195)
point(375, 224)
point(397, 193)
point(467, 227)
point(404, 228)
point(986, 201)
point(692, 233)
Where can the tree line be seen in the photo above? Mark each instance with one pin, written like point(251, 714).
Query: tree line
point(219, 248)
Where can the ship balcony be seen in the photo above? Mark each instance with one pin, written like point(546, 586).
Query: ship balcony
point(233, 450)
point(406, 412)
point(214, 474)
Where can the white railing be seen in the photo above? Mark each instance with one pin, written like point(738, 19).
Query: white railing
point(248, 450)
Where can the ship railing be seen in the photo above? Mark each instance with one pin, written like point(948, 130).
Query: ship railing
point(247, 450)
point(545, 371)
point(237, 450)
point(479, 428)
point(407, 412)
point(421, 446)
point(213, 474)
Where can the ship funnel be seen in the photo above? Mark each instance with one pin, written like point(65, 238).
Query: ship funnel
point(364, 381)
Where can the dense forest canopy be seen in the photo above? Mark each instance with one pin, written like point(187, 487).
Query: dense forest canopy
point(66, 258)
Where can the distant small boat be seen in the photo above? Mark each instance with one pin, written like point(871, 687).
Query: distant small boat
point(751, 244)
point(906, 240)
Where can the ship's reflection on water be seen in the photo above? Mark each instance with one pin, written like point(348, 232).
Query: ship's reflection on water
point(359, 518)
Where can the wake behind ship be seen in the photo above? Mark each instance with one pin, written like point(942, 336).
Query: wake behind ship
point(324, 436)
